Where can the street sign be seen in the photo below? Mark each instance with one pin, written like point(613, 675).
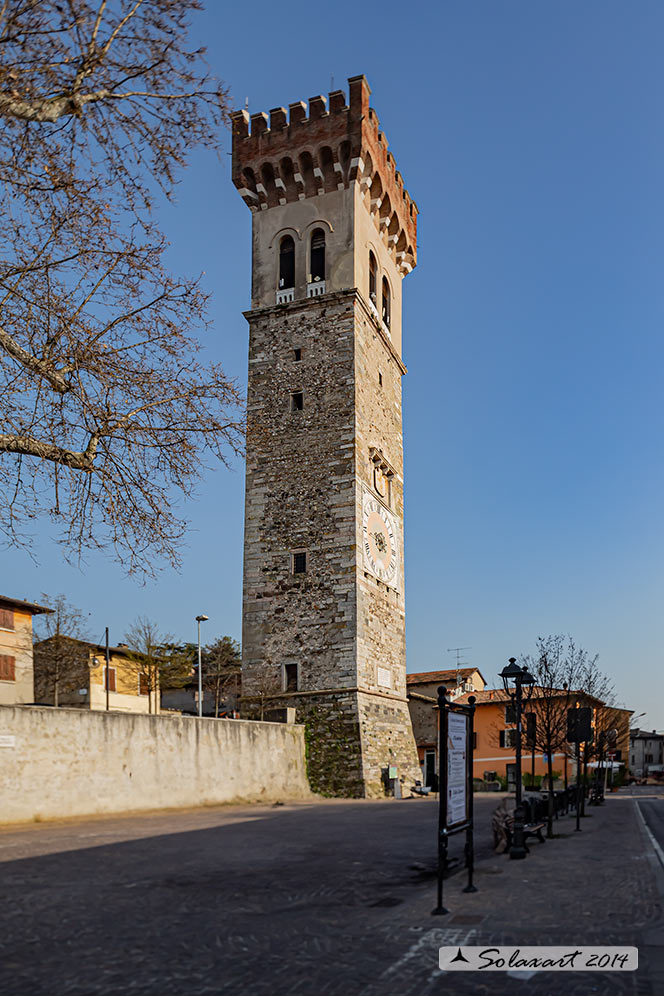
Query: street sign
point(457, 775)
point(455, 800)
point(579, 725)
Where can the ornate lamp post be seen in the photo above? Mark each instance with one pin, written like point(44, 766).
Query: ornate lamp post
point(519, 676)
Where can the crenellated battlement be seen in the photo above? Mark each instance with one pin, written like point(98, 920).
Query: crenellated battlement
point(293, 155)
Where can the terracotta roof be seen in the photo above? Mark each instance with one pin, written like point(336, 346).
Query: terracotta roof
point(121, 651)
point(18, 603)
point(500, 695)
point(425, 677)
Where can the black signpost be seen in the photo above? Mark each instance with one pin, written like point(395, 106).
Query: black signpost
point(579, 731)
point(455, 773)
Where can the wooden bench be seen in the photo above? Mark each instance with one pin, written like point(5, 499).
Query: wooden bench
point(503, 824)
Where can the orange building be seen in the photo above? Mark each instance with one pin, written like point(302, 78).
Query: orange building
point(495, 735)
point(494, 740)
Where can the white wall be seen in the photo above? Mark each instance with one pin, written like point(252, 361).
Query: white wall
point(68, 762)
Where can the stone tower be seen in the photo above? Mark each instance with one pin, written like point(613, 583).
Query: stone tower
point(334, 233)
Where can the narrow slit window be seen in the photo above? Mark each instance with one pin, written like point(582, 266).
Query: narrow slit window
point(317, 255)
point(290, 677)
point(286, 263)
point(387, 305)
point(297, 401)
point(372, 280)
point(380, 379)
point(297, 355)
point(299, 563)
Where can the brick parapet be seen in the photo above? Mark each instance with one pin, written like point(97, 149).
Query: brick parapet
point(290, 157)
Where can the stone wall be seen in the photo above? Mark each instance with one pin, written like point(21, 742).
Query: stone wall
point(66, 762)
point(300, 494)
point(306, 474)
point(381, 608)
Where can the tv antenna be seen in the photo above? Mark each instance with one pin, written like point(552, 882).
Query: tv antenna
point(459, 662)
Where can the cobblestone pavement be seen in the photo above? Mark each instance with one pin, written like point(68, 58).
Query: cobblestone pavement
point(331, 897)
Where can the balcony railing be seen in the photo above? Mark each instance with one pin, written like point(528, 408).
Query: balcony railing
point(316, 288)
point(285, 295)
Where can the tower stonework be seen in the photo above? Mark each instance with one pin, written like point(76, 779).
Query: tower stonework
point(333, 234)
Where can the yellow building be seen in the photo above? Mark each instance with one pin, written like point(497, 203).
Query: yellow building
point(72, 673)
point(16, 663)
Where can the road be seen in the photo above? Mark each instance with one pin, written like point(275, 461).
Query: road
point(331, 897)
point(235, 899)
point(650, 800)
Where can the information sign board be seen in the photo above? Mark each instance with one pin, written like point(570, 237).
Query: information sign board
point(457, 774)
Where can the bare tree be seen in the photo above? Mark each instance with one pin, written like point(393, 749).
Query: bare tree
point(154, 653)
point(611, 723)
point(108, 416)
point(60, 659)
point(221, 675)
point(265, 687)
point(557, 667)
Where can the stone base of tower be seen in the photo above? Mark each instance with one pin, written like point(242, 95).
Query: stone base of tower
point(387, 741)
point(352, 739)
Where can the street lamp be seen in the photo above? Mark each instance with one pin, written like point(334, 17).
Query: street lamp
point(518, 676)
point(199, 620)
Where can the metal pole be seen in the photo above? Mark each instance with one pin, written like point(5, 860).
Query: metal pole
point(442, 797)
point(518, 848)
point(585, 775)
point(108, 669)
point(470, 848)
point(200, 674)
point(578, 786)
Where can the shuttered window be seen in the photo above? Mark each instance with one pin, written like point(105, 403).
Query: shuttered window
point(7, 667)
point(7, 619)
point(143, 685)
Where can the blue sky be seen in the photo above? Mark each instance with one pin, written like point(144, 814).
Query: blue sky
point(530, 135)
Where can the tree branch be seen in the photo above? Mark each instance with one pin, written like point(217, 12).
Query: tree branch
point(29, 446)
point(34, 364)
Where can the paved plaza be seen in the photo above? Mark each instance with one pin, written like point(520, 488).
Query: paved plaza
point(329, 897)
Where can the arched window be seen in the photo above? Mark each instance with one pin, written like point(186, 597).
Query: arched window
point(317, 255)
point(387, 309)
point(286, 263)
point(373, 297)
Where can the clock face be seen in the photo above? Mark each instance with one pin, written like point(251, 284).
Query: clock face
point(379, 540)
